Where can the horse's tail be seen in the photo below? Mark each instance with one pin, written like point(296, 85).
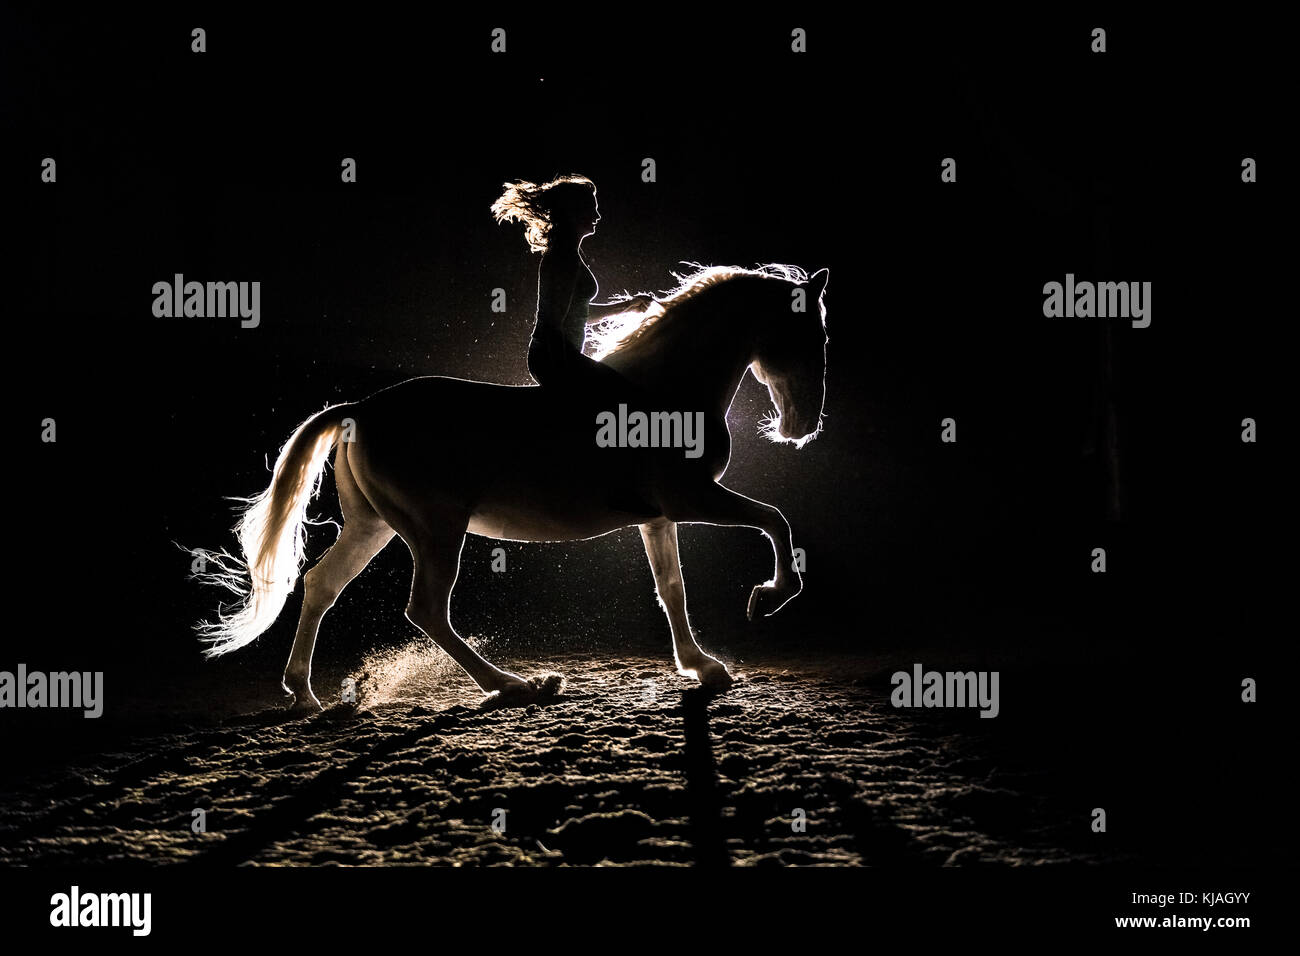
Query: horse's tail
point(272, 538)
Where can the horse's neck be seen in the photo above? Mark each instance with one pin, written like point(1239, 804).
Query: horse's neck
point(699, 358)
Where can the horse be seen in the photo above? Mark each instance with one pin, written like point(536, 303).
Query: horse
point(433, 458)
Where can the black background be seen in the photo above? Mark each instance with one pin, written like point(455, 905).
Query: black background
point(1122, 166)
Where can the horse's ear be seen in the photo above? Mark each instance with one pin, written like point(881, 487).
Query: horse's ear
point(817, 281)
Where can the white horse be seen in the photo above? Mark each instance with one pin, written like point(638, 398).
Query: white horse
point(433, 457)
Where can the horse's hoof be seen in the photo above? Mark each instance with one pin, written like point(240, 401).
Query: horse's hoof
point(766, 599)
point(713, 674)
point(303, 702)
point(539, 689)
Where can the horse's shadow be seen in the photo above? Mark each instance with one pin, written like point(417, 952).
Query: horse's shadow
point(702, 778)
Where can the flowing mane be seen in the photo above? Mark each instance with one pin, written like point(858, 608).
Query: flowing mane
point(619, 331)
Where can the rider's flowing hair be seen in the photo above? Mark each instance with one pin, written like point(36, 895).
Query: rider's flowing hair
point(535, 205)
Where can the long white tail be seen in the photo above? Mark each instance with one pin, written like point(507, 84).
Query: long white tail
point(272, 538)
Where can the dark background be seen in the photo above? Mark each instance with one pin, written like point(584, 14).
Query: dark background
point(1122, 166)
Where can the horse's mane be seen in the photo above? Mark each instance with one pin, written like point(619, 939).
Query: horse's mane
point(619, 331)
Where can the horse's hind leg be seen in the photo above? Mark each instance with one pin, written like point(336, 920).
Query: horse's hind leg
point(660, 537)
point(436, 552)
point(364, 534)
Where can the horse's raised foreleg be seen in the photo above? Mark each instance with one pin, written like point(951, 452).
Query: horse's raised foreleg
point(660, 537)
point(714, 504)
point(437, 563)
point(363, 536)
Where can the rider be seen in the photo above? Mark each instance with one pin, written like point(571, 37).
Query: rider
point(558, 215)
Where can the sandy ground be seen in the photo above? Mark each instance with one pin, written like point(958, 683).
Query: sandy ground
point(630, 764)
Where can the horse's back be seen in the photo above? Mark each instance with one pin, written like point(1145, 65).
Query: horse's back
point(429, 393)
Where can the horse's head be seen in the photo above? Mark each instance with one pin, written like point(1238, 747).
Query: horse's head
point(790, 359)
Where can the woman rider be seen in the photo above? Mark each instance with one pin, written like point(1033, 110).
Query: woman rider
point(557, 216)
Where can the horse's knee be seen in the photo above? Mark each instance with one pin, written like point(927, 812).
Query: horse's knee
point(776, 527)
point(665, 570)
point(670, 589)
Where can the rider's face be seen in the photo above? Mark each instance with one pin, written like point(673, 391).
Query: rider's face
point(579, 215)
